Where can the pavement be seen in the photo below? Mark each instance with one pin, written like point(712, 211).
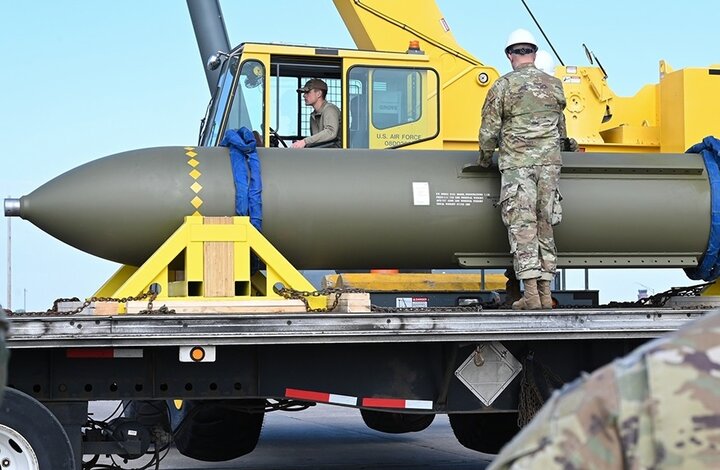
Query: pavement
point(332, 437)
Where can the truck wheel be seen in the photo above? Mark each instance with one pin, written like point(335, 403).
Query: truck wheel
point(31, 437)
point(396, 423)
point(214, 431)
point(148, 412)
point(484, 432)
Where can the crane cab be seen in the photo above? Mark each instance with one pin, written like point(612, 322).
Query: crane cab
point(387, 99)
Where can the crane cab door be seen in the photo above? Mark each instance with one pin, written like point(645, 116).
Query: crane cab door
point(392, 107)
point(289, 116)
point(387, 106)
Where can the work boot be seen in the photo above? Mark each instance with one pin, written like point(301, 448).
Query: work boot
point(545, 294)
point(530, 299)
point(512, 290)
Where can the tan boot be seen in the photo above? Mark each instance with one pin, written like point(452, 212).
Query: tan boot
point(531, 299)
point(512, 288)
point(545, 294)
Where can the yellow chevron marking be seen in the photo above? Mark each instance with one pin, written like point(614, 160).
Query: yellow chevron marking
point(194, 174)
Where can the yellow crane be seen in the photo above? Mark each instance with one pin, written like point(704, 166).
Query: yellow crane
point(409, 84)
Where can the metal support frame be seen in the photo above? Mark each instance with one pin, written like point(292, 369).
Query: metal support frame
point(236, 241)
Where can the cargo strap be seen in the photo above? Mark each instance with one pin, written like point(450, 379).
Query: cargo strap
point(709, 267)
point(246, 173)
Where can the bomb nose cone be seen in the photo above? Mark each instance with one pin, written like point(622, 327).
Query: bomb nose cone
point(12, 207)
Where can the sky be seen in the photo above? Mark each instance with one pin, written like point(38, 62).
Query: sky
point(82, 79)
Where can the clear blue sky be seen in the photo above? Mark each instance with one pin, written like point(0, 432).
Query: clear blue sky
point(82, 79)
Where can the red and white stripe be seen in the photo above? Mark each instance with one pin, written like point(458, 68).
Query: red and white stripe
point(397, 403)
point(324, 397)
point(320, 397)
point(103, 353)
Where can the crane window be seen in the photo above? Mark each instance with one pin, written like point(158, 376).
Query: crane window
point(395, 97)
point(391, 107)
point(247, 105)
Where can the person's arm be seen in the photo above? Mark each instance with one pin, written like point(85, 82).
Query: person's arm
point(489, 134)
point(562, 127)
point(576, 428)
point(330, 123)
point(566, 144)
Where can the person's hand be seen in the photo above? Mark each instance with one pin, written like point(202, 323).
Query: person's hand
point(570, 145)
point(298, 144)
point(484, 159)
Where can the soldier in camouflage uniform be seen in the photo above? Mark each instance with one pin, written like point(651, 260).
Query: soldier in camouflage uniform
point(658, 408)
point(523, 117)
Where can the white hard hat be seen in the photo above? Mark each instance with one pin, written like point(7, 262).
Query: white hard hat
point(545, 62)
point(520, 36)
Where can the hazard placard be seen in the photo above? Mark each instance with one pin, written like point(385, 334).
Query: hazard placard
point(488, 371)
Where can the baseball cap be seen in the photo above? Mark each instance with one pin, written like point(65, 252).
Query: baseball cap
point(313, 84)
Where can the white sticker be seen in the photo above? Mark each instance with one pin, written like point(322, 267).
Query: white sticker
point(421, 193)
point(460, 199)
point(444, 25)
point(411, 302)
point(403, 302)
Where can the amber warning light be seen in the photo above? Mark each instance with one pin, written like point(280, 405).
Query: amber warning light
point(197, 354)
point(414, 47)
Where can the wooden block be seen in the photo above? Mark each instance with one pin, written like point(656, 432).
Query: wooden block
point(106, 308)
point(350, 308)
point(222, 306)
point(218, 265)
point(351, 302)
point(69, 306)
point(95, 308)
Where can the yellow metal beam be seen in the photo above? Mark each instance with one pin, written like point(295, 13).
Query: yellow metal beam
point(192, 238)
point(115, 281)
point(417, 282)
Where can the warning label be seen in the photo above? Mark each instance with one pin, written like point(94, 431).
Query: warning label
point(411, 302)
point(460, 199)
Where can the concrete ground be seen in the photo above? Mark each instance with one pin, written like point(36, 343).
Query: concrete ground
point(332, 437)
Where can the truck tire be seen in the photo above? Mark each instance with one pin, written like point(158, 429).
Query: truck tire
point(148, 412)
point(215, 431)
point(484, 432)
point(31, 437)
point(396, 423)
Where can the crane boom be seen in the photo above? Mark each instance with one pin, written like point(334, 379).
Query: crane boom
point(210, 33)
point(368, 21)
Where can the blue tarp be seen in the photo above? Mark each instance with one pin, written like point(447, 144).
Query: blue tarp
point(709, 267)
point(246, 173)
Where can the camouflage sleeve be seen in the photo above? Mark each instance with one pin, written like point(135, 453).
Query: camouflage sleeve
point(560, 95)
point(658, 407)
point(562, 127)
point(576, 429)
point(492, 112)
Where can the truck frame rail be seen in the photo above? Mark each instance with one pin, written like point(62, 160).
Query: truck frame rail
point(314, 328)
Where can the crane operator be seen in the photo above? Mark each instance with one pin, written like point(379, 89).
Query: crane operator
point(325, 120)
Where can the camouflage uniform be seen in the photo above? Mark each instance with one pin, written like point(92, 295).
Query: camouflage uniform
point(657, 408)
point(522, 116)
